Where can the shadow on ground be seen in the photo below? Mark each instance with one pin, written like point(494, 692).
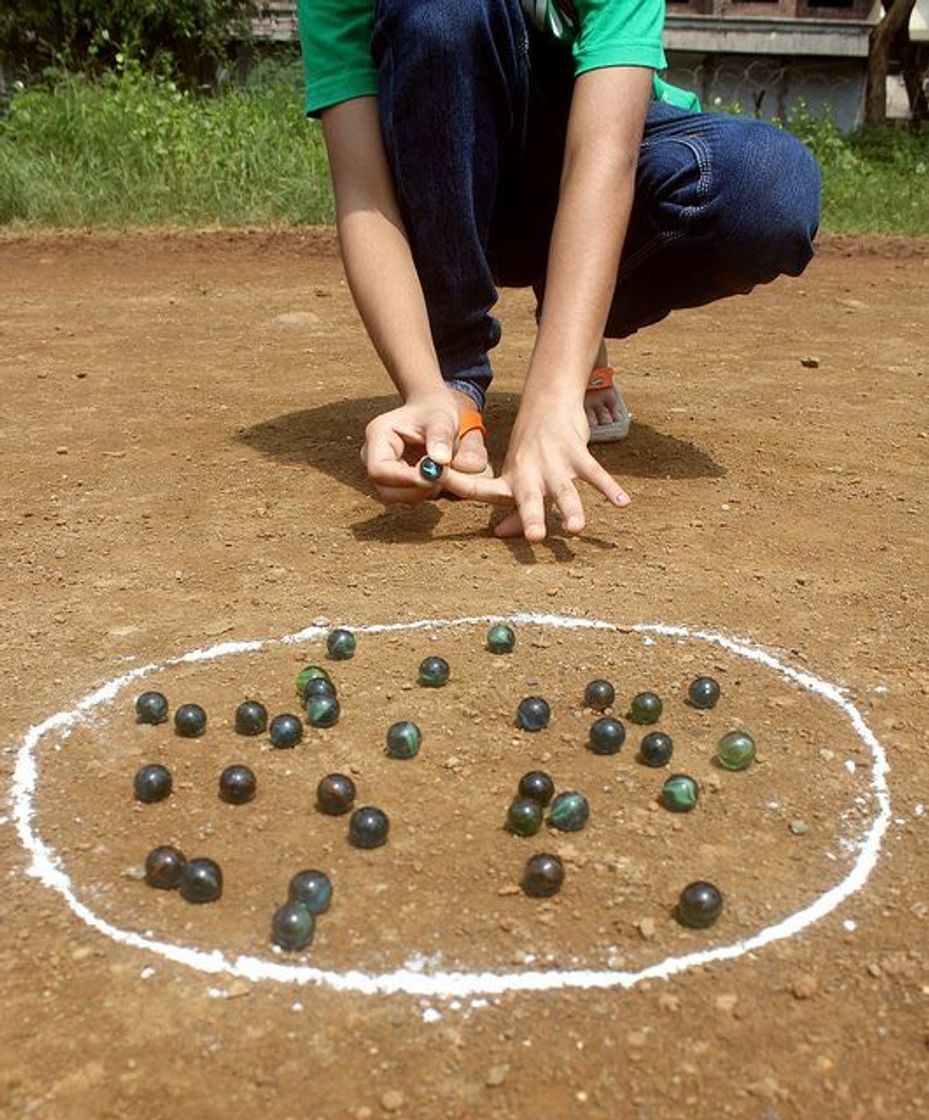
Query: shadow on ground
point(329, 439)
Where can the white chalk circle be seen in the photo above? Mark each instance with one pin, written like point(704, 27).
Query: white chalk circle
point(46, 865)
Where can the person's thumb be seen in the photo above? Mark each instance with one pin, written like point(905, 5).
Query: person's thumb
point(440, 438)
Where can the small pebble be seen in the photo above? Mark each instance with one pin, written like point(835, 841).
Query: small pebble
point(799, 828)
point(496, 1075)
point(392, 1100)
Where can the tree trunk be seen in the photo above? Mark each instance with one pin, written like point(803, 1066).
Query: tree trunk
point(879, 43)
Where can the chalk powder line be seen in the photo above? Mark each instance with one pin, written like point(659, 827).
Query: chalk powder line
point(46, 865)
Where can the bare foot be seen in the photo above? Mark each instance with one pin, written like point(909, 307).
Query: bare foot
point(602, 406)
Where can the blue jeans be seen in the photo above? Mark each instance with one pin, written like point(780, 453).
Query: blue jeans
point(474, 108)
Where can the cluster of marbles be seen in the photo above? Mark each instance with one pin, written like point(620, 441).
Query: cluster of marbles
point(153, 782)
point(196, 880)
point(309, 894)
point(568, 812)
point(368, 826)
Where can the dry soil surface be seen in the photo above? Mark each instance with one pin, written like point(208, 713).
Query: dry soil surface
point(181, 422)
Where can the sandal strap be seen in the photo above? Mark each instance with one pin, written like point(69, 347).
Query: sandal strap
point(600, 378)
point(471, 421)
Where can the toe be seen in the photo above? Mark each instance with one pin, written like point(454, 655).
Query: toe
point(471, 455)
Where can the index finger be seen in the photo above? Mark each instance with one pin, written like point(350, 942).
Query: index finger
point(477, 488)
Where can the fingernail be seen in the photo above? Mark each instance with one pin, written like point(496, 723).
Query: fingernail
point(621, 499)
point(440, 450)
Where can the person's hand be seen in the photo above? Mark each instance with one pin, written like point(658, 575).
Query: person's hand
point(396, 442)
point(547, 455)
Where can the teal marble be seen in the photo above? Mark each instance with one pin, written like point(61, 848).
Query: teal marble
point(656, 749)
point(524, 816)
point(606, 735)
point(533, 713)
point(736, 750)
point(433, 672)
point(569, 812)
point(323, 711)
point(341, 644)
point(680, 793)
point(368, 827)
point(703, 692)
point(430, 470)
point(403, 739)
point(699, 905)
point(645, 708)
point(501, 638)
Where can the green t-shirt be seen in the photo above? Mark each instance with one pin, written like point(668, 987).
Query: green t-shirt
point(336, 39)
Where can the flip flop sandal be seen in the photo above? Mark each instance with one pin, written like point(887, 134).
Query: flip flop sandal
point(602, 378)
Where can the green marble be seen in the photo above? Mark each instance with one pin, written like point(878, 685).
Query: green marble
point(433, 672)
point(569, 812)
point(403, 739)
point(524, 816)
point(341, 644)
point(736, 750)
point(310, 673)
point(680, 793)
point(501, 638)
point(645, 708)
point(323, 711)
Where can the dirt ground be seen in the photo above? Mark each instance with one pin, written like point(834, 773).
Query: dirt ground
point(181, 417)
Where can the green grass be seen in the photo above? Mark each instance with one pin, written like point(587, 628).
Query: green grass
point(135, 150)
point(132, 149)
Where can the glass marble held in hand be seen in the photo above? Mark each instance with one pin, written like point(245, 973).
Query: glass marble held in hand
point(429, 469)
